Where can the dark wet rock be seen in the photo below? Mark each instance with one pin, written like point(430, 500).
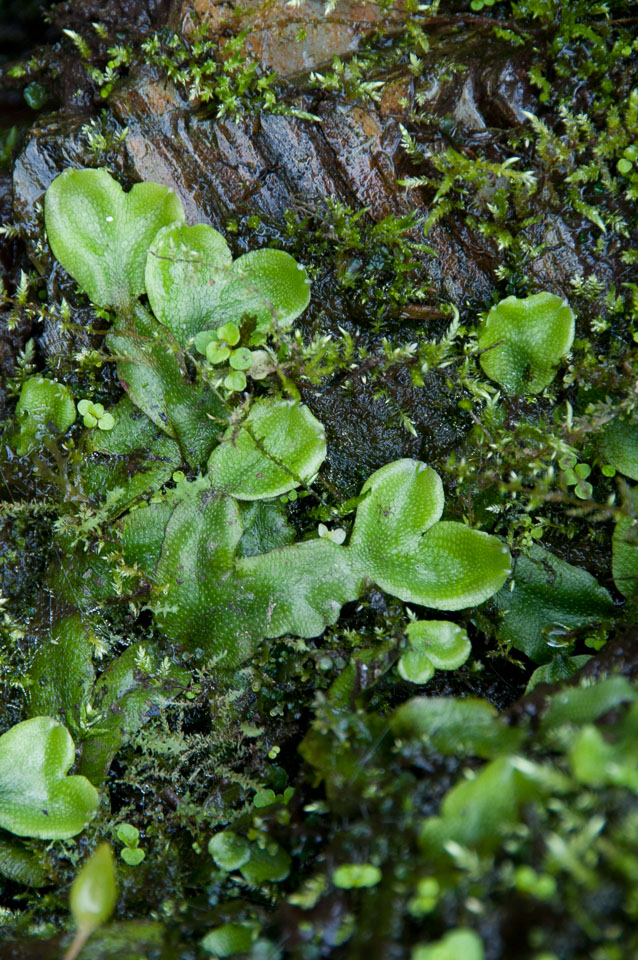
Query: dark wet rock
point(562, 257)
point(221, 167)
point(125, 18)
point(363, 148)
point(507, 94)
point(268, 164)
point(364, 433)
point(478, 97)
point(274, 29)
point(466, 111)
point(454, 95)
point(7, 246)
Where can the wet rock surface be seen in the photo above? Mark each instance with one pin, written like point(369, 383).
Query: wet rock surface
point(270, 163)
point(290, 39)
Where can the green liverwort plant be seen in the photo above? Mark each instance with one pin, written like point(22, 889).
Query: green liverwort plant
point(191, 551)
point(193, 284)
point(433, 645)
point(38, 799)
point(212, 589)
point(100, 234)
point(524, 340)
point(279, 446)
point(120, 245)
point(44, 408)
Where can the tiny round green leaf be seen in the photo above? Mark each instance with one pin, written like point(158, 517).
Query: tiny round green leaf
point(216, 353)
point(229, 851)
point(203, 339)
point(235, 380)
point(228, 940)
point(269, 865)
point(36, 95)
point(435, 644)
point(128, 834)
point(241, 359)
point(106, 422)
point(352, 876)
point(584, 490)
point(132, 855)
point(228, 333)
point(456, 945)
point(264, 798)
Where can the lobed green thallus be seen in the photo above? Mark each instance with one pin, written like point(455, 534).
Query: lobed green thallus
point(207, 593)
point(215, 554)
